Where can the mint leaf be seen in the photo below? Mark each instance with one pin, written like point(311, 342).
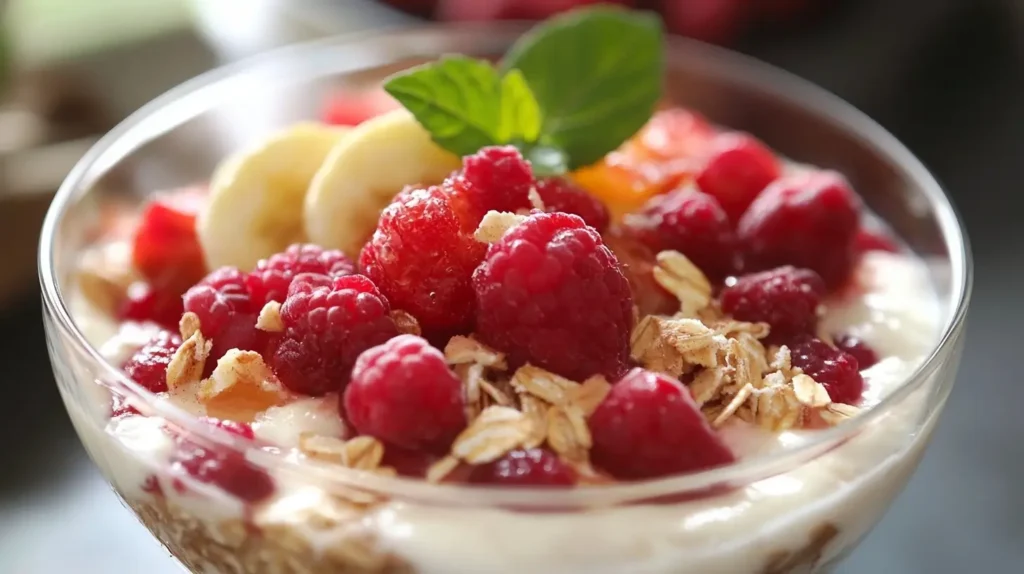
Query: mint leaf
point(520, 114)
point(597, 75)
point(466, 105)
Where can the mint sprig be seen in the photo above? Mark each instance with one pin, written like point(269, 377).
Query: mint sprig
point(466, 105)
point(568, 92)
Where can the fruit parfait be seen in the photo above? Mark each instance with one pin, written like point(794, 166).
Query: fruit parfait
point(531, 317)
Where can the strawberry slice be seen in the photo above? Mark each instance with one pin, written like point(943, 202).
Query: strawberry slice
point(166, 249)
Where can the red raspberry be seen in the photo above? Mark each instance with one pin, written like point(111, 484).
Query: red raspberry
point(715, 21)
point(407, 462)
point(865, 355)
point(325, 330)
point(272, 276)
point(648, 427)
point(234, 427)
point(739, 168)
point(165, 248)
point(226, 313)
point(119, 406)
point(867, 240)
point(638, 262)
point(550, 293)
point(807, 220)
point(148, 366)
point(534, 467)
point(351, 108)
point(560, 194)
point(144, 303)
point(228, 470)
point(402, 392)
point(494, 178)
point(786, 298)
point(837, 370)
point(422, 256)
point(692, 223)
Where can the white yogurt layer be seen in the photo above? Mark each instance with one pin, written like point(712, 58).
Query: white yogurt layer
point(896, 312)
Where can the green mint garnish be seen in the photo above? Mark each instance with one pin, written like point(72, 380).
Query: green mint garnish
point(465, 104)
point(568, 92)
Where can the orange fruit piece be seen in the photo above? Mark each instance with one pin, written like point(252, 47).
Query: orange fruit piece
point(666, 153)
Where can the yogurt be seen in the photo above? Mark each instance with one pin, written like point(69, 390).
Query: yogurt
point(841, 493)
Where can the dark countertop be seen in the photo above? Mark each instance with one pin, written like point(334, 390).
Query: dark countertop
point(958, 102)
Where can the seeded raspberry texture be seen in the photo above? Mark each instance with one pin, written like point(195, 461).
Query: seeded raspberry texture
point(148, 366)
point(835, 369)
point(550, 293)
point(738, 169)
point(692, 223)
point(403, 393)
point(325, 330)
point(226, 314)
point(786, 298)
point(807, 220)
point(144, 303)
point(272, 276)
point(226, 469)
point(859, 348)
point(649, 427)
point(560, 194)
point(422, 257)
point(533, 467)
point(494, 178)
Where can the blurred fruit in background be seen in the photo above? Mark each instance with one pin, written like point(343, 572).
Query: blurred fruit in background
point(717, 21)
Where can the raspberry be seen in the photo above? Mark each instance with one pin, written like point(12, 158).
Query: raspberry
point(649, 426)
point(228, 470)
point(550, 293)
point(837, 370)
point(494, 178)
point(422, 256)
point(407, 462)
point(560, 194)
point(807, 220)
point(533, 467)
point(148, 366)
point(638, 262)
point(402, 392)
point(144, 303)
point(866, 240)
point(272, 276)
point(325, 330)
point(865, 355)
point(120, 407)
point(739, 168)
point(226, 313)
point(786, 298)
point(236, 428)
point(692, 223)
point(165, 248)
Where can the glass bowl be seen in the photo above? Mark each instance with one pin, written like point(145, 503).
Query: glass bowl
point(798, 510)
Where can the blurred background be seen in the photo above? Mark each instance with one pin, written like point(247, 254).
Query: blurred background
point(946, 76)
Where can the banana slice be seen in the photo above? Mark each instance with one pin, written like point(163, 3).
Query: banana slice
point(256, 196)
point(364, 172)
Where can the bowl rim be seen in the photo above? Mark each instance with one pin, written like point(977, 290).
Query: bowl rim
point(186, 100)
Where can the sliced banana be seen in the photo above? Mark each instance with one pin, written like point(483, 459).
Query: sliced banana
point(364, 172)
point(256, 195)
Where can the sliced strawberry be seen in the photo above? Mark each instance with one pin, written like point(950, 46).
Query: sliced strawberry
point(166, 249)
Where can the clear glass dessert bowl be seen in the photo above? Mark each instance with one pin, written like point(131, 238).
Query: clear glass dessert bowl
point(797, 509)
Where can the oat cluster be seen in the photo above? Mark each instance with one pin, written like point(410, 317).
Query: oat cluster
point(729, 370)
